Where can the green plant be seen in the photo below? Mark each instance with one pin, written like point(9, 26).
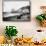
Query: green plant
point(41, 17)
point(11, 31)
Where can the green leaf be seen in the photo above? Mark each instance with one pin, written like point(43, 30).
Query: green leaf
point(10, 31)
point(45, 17)
point(40, 18)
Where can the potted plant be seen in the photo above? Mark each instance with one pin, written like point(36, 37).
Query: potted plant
point(42, 17)
point(10, 32)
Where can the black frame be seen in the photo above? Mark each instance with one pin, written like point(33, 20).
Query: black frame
point(16, 0)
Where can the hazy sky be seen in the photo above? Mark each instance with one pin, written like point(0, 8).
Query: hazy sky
point(8, 5)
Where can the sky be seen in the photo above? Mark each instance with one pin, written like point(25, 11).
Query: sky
point(9, 5)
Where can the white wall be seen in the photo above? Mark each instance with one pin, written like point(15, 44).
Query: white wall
point(25, 28)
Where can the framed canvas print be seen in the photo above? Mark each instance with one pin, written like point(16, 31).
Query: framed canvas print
point(16, 10)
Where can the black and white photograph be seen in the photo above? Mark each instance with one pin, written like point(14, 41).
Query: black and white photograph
point(16, 10)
